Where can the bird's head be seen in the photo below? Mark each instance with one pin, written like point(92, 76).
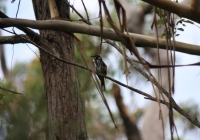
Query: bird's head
point(96, 57)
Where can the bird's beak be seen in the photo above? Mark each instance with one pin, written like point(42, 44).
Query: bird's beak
point(91, 56)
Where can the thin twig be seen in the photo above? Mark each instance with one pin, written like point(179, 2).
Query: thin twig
point(18, 8)
point(10, 91)
point(82, 18)
point(88, 20)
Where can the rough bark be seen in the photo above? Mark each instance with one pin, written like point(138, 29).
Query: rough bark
point(65, 106)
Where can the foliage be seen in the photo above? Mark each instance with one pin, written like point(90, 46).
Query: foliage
point(24, 115)
point(163, 19)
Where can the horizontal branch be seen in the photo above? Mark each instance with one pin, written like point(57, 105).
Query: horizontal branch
point(33, 35)
point(177, 8)
point(13, 39)
point(61, 25)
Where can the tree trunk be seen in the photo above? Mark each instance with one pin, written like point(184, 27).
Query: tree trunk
point(65, 106)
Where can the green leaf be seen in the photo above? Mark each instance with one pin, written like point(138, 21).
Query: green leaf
point(163, 35)
point(1, 95)
point(160, 21)
point(180, 21)
point(189, 21)
point(180, 29)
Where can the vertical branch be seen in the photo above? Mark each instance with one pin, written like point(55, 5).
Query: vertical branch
point(3, 61)
point(88, 19)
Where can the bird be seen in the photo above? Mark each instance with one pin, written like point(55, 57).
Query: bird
point(101, 68)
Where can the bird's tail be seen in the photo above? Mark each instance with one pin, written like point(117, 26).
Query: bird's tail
point(103, 85)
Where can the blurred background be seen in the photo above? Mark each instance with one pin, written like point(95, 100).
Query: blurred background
point(24, 117)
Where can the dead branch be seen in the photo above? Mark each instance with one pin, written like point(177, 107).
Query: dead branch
point(33, 35)
point(15, 39)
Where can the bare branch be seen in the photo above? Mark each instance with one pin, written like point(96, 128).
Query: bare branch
point(13, 39)
point(82, 18)
point(88, 19)
point(10, 91)
point(33, 35)
point(61, 25)
point(177, 8)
